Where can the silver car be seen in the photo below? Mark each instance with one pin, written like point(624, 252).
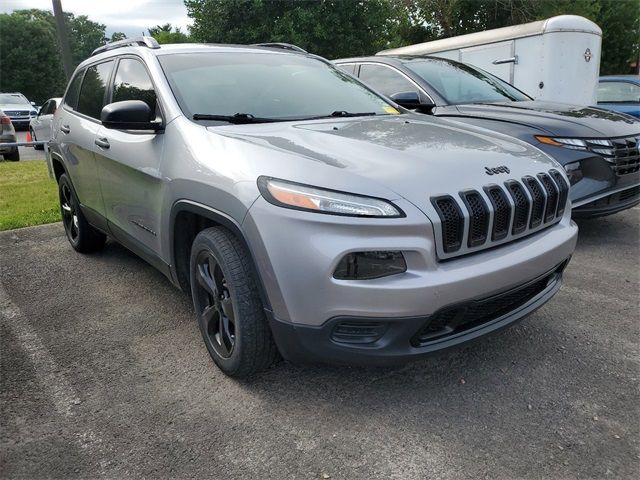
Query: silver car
point(7, 137)
point(307, 215)
point(40, 126)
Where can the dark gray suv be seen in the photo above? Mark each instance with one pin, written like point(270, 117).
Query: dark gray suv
point(598, 148)
point(305, 213)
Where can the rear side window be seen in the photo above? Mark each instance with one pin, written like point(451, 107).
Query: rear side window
point(93, 89)
point(132, 82)
point(71, 97)
point(385, 80)
point(348, 67)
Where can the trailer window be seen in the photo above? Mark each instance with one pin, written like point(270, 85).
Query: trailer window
point(459, 83)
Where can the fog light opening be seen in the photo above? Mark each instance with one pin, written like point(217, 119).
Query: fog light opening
point(574, 172)
point(370, 265)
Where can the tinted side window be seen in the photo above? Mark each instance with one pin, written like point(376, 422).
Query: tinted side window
point(71, 97)
point(132, 82)
point(385, 80)
point(44, 110)
point(93, 88)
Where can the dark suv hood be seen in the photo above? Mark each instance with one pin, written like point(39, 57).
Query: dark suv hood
point(558, 119)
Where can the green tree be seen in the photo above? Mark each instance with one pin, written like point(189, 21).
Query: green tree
point(329, 28)
point(166, 34)
point(30, 56)
point(117, 36)
point(618, 19)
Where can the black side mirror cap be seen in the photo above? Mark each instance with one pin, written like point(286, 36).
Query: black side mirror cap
point(411, 101)
point(129, 115)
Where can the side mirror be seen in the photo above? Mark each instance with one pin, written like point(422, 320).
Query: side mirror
point(411, 100)
point(33, 103)
point(129, 115)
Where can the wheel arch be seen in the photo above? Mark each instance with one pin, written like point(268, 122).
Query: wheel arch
point(187, 219)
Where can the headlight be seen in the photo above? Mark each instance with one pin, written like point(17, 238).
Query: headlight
point(573, 143)
point(314, 199)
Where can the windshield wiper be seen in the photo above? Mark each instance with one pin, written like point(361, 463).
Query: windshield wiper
point(238, 118)
point(343, 113)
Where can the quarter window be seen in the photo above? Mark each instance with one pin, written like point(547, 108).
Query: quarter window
point(71, 97)
point(132, 82)
point(385, 80)
point(93, 89)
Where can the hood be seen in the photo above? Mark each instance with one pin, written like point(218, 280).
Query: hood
point(413, 156)
point(13, 107)
point(558, 119)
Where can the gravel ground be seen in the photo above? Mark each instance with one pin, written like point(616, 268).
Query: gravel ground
point(104, 374)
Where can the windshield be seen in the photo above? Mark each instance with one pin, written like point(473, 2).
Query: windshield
point(618, 92)
point(266, 86)
point(11, 99)
point(458, 83)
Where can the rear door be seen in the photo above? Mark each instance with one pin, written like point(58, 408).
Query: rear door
point(129, 165)
point(76, 131)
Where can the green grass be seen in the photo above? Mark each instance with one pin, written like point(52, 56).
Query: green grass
point(27, 195)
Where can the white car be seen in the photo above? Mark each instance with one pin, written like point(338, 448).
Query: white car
point(40, 126)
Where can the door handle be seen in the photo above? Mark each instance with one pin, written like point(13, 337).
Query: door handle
point(102, 142)
point(65, 129)
point(502, 61)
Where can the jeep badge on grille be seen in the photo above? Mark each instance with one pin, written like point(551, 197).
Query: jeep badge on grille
point(496, 170)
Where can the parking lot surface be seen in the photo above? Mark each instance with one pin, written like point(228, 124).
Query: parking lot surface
point(28, 153)
point(104, 374)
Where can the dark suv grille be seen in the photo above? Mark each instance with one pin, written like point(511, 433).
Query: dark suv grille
point(622, 153)
point(459, 318)
point(517, 208)
point(17, 113)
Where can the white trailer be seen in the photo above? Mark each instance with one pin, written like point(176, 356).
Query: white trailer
point(557, 59)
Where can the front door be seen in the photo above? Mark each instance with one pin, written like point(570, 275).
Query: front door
point(129, 165)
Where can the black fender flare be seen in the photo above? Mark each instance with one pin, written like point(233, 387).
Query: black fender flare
point(223, 220)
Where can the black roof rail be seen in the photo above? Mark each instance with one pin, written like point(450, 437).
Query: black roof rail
point(148, 42)
point(283, 46)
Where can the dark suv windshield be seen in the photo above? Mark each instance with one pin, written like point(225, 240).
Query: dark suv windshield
point(459, 83)
point(266, 85)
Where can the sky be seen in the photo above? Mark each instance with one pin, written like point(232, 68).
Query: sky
point(132, 17)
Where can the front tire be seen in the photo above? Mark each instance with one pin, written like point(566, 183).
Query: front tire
point(227, 304)
point(34, 139)
point(82, 236)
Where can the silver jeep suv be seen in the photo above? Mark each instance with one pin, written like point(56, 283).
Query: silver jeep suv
point(307, 215)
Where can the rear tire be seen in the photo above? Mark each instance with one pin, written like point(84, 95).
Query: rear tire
point(82, 236)
point(227, 304)
point(13, 156)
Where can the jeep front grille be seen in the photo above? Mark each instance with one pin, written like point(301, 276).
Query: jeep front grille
point(621, 153)
point(503, 213)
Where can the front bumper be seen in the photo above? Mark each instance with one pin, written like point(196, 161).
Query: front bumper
point(297, 252)
point(609, 203)
point(605, 184)
point(390, 341)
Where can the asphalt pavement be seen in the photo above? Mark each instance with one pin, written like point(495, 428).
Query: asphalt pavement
point(28, 153)
point(104, 375)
